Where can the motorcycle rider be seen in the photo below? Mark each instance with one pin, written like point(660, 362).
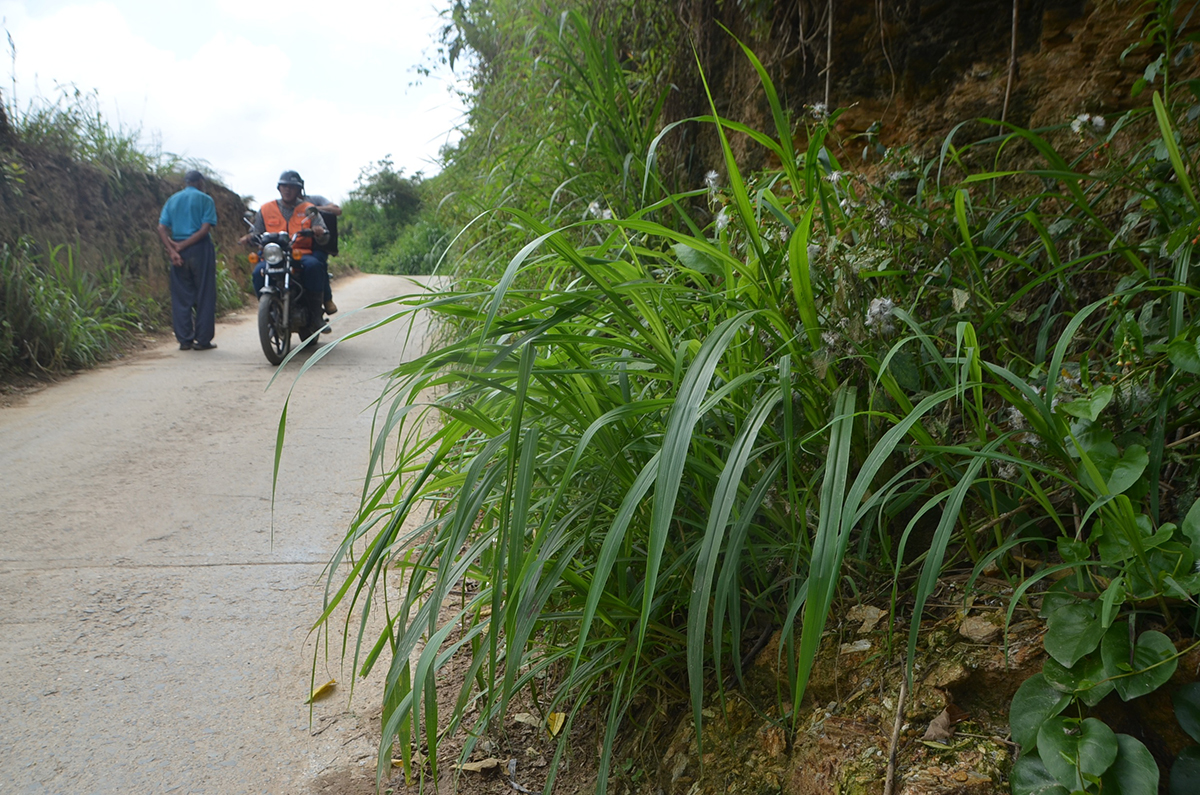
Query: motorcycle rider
point(323, 251)
point(289, 213)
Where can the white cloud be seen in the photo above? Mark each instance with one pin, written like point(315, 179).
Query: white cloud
point(251, 86)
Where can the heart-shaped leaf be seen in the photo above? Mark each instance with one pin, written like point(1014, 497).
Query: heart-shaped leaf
point(1185, 773)
point(1072, 631)
point(1030, 777)
point(1187, 709)
point(1072, 551)
point(1036, 700)
point(1073, 750)
point(1085, 680)
point(1089, 408)
point(1149, 667)
point(1128, 469)
point(697, 260)
point(1134, 772)
point(1185, 354)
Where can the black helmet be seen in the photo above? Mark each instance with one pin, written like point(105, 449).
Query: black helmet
point(291, 178)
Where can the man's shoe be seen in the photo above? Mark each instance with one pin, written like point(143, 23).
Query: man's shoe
point(203, 346)
point(330, 307)
point(185, 346)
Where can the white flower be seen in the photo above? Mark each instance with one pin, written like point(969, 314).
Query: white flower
point(813, 251)
point(819, 110)
point(1008, 471)
point(603, 213)
point(712, 181)
point(1097, 123)
point(879, 315)
point(722, 219)
point(1015, 418)
point(836, 176)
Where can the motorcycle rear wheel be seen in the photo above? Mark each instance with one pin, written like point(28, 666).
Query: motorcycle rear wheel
point(273, 331)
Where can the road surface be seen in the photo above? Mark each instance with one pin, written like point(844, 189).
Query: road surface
point(155, 636)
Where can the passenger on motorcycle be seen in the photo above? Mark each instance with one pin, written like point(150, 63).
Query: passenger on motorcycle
point(290, 214)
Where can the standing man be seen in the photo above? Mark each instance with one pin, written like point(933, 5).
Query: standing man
point(183, 228)
point(323, 251)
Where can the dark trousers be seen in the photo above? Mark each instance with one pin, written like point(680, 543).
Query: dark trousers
point(323, 256)
point(194, 293)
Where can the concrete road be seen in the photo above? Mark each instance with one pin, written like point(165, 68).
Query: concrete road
point(155, 639)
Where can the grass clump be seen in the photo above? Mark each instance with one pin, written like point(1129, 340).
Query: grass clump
point(54, 316)
point(667, 422)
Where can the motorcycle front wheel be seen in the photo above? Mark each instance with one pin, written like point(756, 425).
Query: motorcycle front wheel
point(273, 331)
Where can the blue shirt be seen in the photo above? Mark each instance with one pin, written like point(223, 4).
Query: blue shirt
point(186, 211)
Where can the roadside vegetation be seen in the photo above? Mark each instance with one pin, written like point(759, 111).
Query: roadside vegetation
point(387, 225)
point(667, 417)
point(56, 314)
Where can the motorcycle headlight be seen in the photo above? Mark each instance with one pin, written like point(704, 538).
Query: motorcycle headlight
point(273, 254)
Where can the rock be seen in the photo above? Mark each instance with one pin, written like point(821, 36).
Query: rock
point(978, 629)
point(866, 614)
point(856, 646)
point(948, 674)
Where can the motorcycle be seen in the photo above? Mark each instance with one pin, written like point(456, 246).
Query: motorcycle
point(283, 306)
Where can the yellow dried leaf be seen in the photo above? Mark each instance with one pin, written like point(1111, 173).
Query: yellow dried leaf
point(554, 722)
point(527, 719)
point(324, 691)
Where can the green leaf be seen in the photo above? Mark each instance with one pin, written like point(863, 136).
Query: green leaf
point(1128, 470)
point(1185, 354)
point(1072, 551)
point(1185, 773)
point(1187, 709)
point(1030, 777)
point(1153, 660)
point(1035, 701)
point(1073, 749)
point(1089, 408)
point(1115, 545)
point(1134, 772)
point(1085, 680)
point(1111, 601)
point(1190, 527)
point(1072, 631)
point(697, 260)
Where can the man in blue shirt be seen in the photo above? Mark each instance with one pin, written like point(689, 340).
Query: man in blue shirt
point(183, 227)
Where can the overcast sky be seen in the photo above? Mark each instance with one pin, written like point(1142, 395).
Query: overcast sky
point(253, 87)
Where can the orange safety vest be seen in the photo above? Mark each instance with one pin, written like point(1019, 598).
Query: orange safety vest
point(273, 222)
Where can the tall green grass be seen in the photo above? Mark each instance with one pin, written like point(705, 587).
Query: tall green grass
point(652, 434)
point(55, 316)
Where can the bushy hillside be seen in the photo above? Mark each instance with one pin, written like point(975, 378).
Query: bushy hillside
point(724, 366)
point(82, 263)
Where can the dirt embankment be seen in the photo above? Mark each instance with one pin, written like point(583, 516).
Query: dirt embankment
point(914, 68)
point(52, 200)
